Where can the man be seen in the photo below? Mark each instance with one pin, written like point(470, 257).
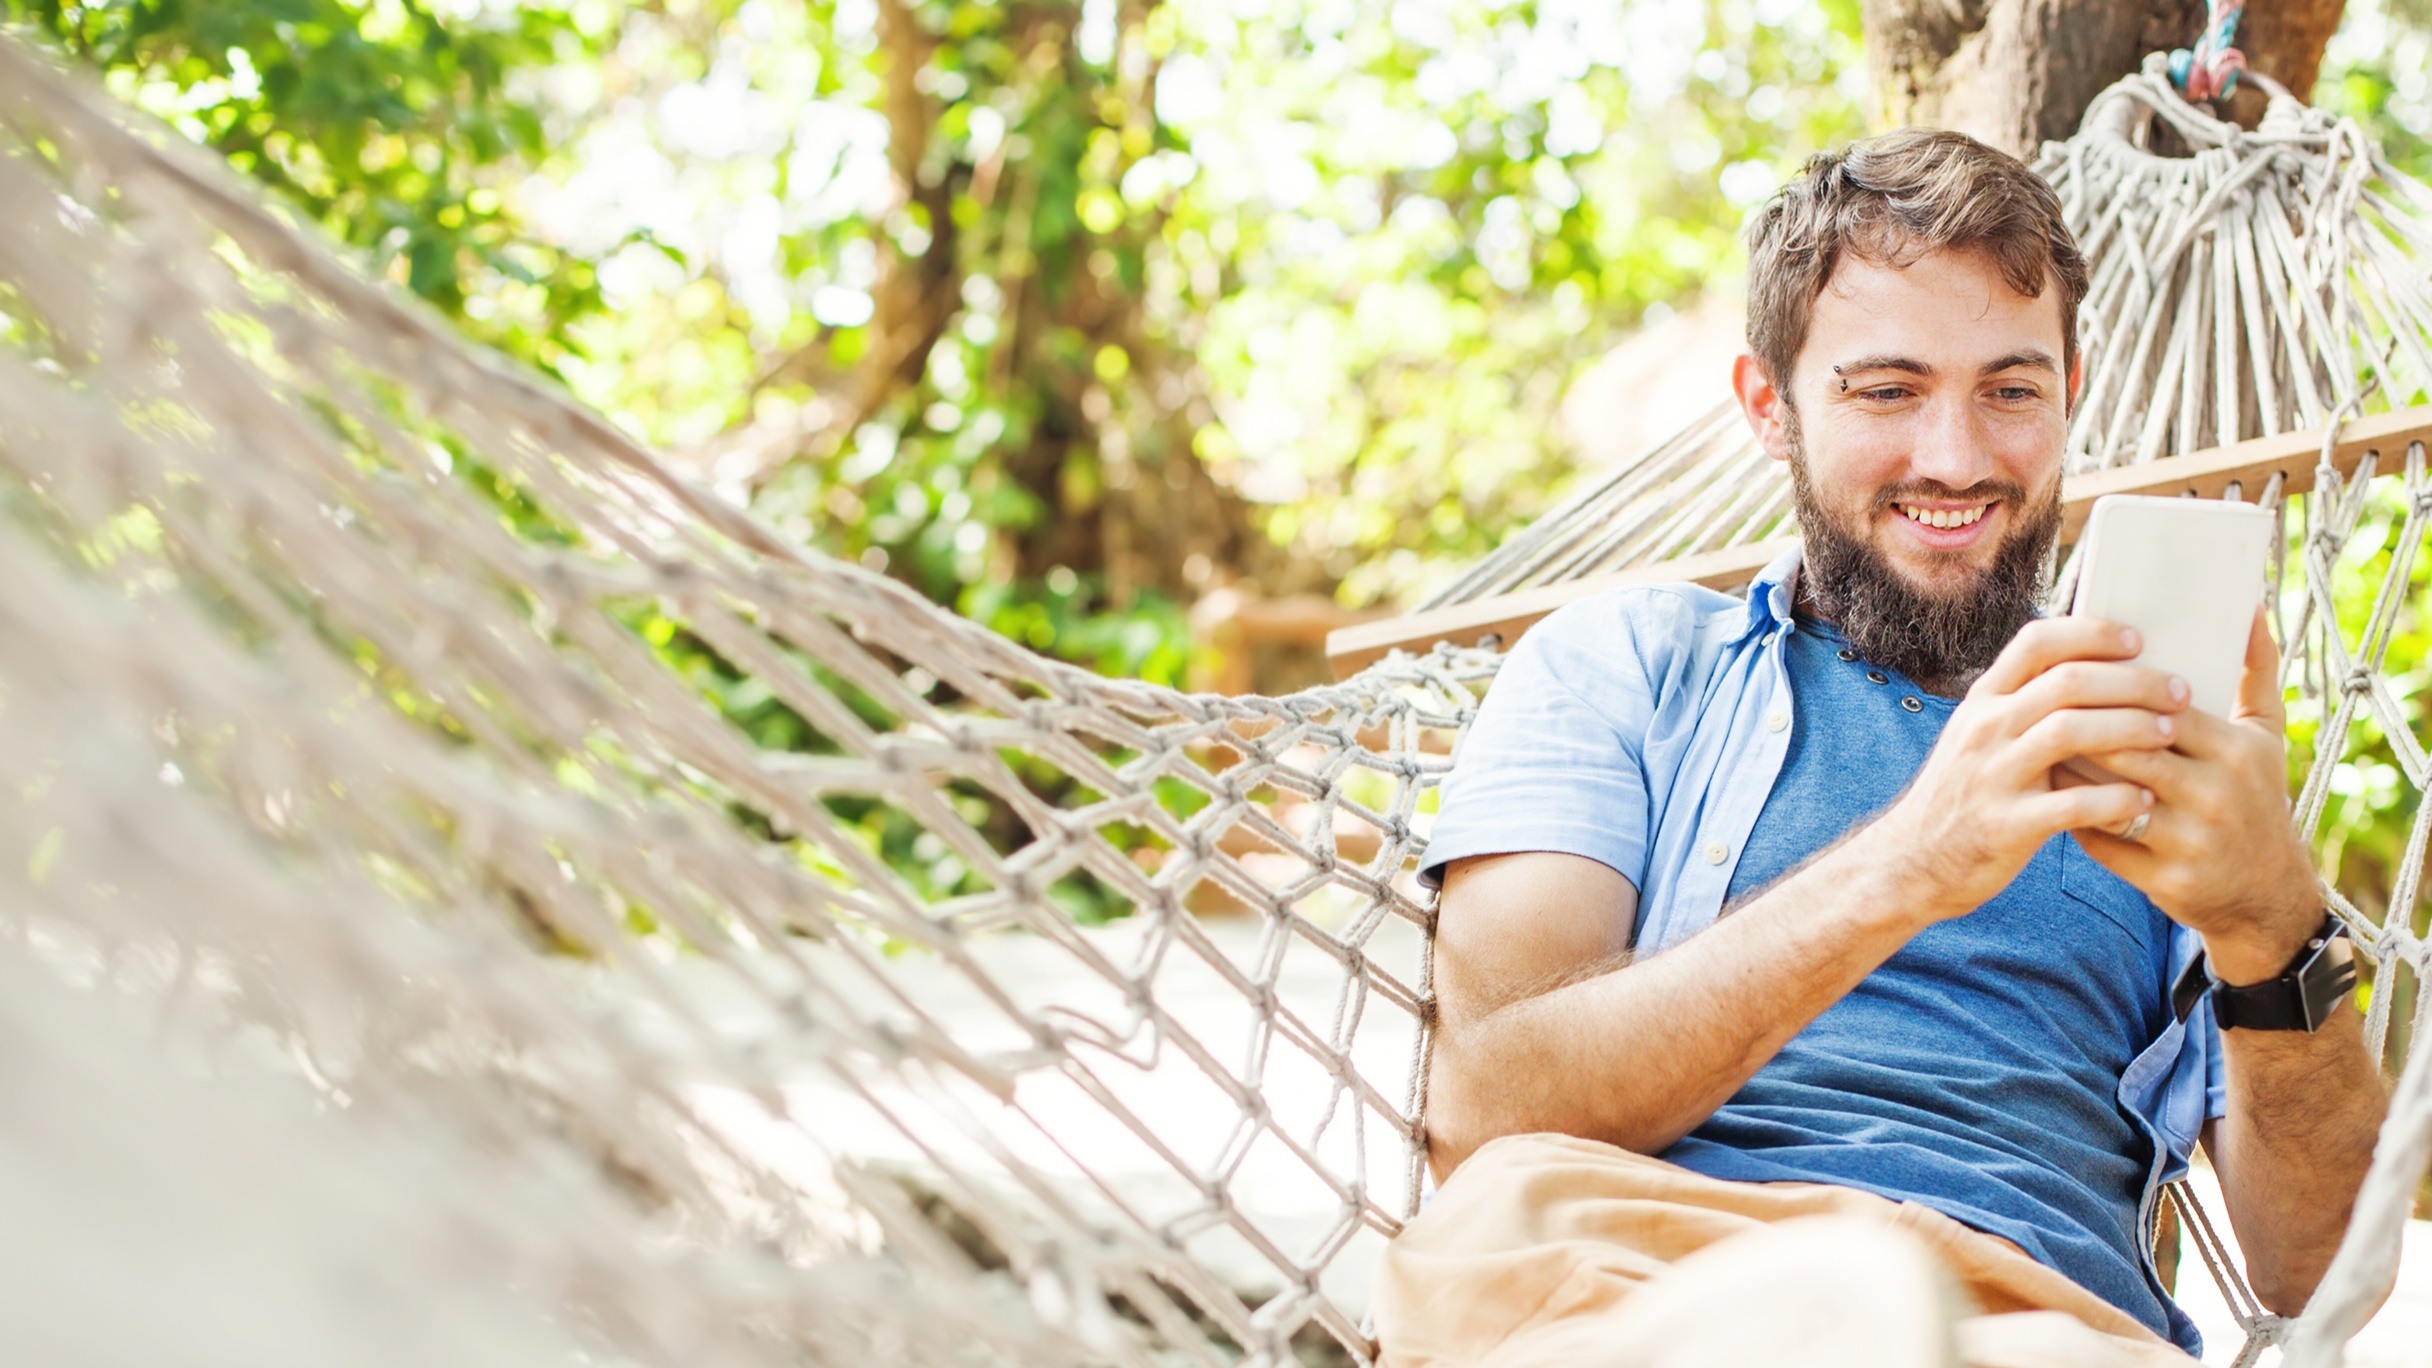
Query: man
point(1773, 909)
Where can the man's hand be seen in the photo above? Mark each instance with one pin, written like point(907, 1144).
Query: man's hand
point(2221, 858)
point(2219, 855)
point(1984, 802)
point(1546, 1026)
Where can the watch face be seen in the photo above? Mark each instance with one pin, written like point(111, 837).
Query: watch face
point(2341, 951)
point(2328, 975)
point(2302, 998)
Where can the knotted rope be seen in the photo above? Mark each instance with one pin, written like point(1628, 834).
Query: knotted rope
point(979, 1010)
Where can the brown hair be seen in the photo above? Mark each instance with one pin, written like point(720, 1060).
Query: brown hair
point(1892, 199)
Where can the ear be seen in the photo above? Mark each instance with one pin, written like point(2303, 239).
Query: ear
point(1768, 414)
point(2077, 377)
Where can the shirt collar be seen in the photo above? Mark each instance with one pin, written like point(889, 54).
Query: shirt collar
point(1773, 594)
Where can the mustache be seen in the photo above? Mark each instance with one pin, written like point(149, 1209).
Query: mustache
point(1941, 635)
point(1921, 491)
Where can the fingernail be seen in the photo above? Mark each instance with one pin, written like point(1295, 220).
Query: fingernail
point(2166, 726)
point(2178, 689)
point(2148, 794)
point(2129, 640)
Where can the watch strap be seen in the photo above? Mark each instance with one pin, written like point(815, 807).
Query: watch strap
point(2301, 998)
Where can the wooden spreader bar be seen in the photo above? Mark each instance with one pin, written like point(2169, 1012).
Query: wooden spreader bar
point(1499, 621)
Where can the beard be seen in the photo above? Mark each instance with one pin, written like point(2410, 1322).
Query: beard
point(1941, 635)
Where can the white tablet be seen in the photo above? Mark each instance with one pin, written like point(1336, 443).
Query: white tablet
point(2187, 574)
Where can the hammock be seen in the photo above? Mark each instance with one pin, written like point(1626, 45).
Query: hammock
point(355, 759)
point(2259, 285)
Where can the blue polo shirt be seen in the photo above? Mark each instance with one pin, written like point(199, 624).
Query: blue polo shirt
point(2018, 1068)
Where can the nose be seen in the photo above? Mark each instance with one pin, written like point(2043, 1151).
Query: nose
point(1954, 448)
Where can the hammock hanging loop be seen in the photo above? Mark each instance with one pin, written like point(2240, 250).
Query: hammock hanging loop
point(2209, 70)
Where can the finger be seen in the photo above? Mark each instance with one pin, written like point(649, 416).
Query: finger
point(2097, 684)
point(2073, 732)
point(2089, 807)
point(2047, 642)
point(2170, 775)
point(2077, 769)
point(2204, 736)
point(2131, 860)
point(2259, 697)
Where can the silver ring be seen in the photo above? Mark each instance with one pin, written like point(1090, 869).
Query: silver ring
point(2137, 825)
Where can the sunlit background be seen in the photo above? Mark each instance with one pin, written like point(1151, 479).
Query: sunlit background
point(1158, 336)
point(1281, 298)
point(1275, 299)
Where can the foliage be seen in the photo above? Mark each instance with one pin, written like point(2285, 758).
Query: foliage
point(1066, 313)
point(2378, 70)
point(2362, 838)
point(393, 129)
point(1063, 313)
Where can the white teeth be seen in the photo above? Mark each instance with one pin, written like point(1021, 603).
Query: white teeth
point(1945, 517)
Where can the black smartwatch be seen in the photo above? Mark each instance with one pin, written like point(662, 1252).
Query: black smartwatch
point(2300, 999)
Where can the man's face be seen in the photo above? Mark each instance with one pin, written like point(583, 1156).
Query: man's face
point(1925, 425)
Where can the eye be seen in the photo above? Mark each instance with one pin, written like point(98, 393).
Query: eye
point(1885, 394)
point(2016, 394)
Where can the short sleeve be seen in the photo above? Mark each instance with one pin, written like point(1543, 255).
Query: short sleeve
point(1553, 761)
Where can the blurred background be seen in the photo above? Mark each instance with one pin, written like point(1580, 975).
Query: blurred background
point(1160, 335)
point(1075, 316)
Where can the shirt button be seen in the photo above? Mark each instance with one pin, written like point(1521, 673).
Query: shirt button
point(1716, 851)
point(1778, 721)
point(1912, 704)
point(1877, 677)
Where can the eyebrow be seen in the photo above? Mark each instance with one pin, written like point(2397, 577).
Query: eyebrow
point(1908, 364)
point(2035, 357)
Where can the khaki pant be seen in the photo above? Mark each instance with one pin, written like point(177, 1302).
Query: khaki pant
point(1546, 1251)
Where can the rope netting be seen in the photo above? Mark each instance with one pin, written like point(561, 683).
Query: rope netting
point(2241, 285)
point(2260, 282)
point(329, 662)
point(976, 1008)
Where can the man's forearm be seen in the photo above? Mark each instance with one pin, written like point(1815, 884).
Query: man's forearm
point(2304, 1110)
point(1640, 1055)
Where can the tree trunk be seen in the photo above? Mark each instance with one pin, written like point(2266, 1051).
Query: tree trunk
point(2017, 72)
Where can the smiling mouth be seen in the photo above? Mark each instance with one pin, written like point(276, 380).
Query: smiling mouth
point(1944, 518)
